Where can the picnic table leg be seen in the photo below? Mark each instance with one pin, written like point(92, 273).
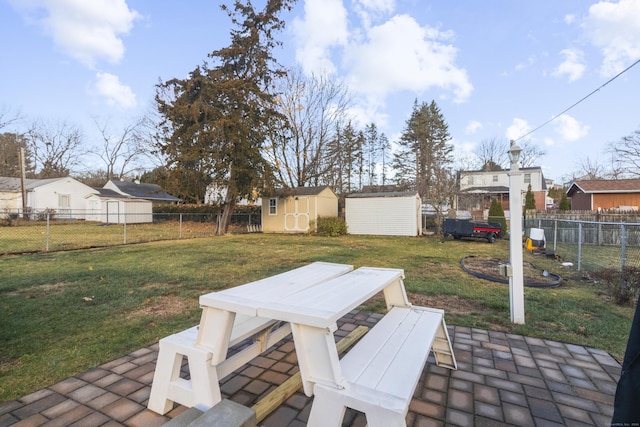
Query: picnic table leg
point(214, 333)
point(395, 295)
point(317, 356)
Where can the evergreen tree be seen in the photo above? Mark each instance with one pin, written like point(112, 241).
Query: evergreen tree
point(565, 203)
point(424, 157)
point(216, 120)
point(529, 199)
point(496, 214)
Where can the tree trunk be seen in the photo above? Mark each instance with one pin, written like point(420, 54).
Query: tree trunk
point(224, 219)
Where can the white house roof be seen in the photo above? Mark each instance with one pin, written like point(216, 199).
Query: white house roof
point(9, 184)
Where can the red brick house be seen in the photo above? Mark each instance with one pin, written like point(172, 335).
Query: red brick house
point(601, 194)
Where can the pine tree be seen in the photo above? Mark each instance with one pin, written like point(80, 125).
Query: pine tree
point(565, 203)
point(215, 121)
point(529, 199)
point(424, 157)
point(496, 214)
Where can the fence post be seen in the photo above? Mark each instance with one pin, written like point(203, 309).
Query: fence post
point(555, 234)
point(180, 225)
point(579, 245)
point(46, 244)
point(623, 243)
point(124, 220)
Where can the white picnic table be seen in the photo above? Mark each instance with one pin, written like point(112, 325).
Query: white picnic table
point(312, 307)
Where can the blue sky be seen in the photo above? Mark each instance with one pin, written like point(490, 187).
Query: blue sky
point(496, 68)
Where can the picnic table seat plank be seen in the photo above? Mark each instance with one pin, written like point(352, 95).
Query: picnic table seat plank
point(382, 370)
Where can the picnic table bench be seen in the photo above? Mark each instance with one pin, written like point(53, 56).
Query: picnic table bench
point(377, 376)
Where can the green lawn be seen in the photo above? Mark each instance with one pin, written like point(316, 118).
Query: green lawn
point(64, 312)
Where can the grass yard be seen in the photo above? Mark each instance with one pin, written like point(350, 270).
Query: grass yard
point(36, 236)
point(62, 313)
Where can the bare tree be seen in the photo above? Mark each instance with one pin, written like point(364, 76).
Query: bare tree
point(591, 169)
point(530, 154)
point(492, 154)
point(626, 154)
point(7, 118)
point(121, 152)
point(311, 110)
point(56, 148)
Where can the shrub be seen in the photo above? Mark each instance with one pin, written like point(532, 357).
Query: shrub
point(622, 285)
point(331, 226)
point(496, 214)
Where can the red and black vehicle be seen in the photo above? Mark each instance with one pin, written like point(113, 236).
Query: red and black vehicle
point(458, 228)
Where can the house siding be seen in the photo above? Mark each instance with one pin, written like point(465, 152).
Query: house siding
point(48, 196)
point(297, 213)
point(615, 201)
point(384, 216)
point(581, 202)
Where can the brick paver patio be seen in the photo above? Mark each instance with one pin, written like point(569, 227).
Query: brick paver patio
point(502, 379)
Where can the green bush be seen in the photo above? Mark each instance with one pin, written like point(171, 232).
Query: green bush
point(332, 226)
point(496, 214)
point(622, 285)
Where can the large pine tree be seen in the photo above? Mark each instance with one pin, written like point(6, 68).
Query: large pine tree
point(424, 159)
point(215, 120)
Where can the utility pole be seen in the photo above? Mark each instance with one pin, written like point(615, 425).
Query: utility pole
point(22, 186)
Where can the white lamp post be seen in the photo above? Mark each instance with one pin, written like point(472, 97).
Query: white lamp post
point(516, 280)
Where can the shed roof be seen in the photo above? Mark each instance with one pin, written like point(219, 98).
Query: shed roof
point(144, 191)
point(105, 192)
point(384, 194)
point(302, 191)
point(592, 186)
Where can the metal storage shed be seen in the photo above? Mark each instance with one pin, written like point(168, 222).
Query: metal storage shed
point(384, 214)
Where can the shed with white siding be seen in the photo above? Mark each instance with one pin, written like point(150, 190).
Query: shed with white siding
point(110, 207)
point(384, 214)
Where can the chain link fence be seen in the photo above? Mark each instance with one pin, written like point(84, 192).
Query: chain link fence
point(591, 245)
point(49, 231)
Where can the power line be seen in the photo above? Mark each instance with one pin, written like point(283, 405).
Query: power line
point(578, 102)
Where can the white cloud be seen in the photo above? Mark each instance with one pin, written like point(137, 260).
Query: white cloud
point(324, 26)
point(402, 55)
point(116, 93)
point(570, 129)
point(88, 31)
point(615, 29)
point(377, 5)
point(572, 66)
point(569, 19)
point(472, 127)
point(518, 128)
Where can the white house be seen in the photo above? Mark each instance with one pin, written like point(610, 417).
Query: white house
point(65, 197)
point(477, 188)
point(113, 208)
point(389, 213)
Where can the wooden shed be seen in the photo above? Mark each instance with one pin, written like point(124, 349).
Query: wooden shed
point(603, 194)
point(385, 214)
point(295, 210)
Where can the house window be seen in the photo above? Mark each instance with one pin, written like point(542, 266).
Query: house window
point(470, 180)
point(64, 201)
point(495, 178)
point(273, 206)
point(527, 178)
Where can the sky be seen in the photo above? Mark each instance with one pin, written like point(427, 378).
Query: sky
point(497, 69)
